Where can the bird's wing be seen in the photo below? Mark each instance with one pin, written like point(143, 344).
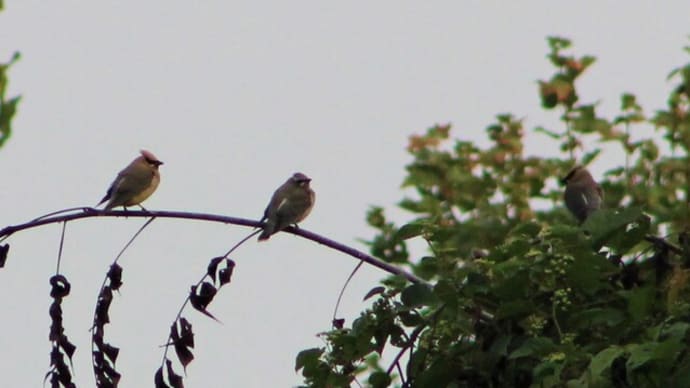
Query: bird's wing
point(277, 201)
point(132, 180)
point(293, 206)
point(113, 189)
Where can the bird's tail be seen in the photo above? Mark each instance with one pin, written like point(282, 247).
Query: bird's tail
point(105, 198)
point(268, 230)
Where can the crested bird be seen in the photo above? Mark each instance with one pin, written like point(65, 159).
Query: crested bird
point(583, 195)
point(135, 183)
point(290, 204)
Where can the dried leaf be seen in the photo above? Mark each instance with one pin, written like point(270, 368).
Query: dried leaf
point(182, 340)
point(374, 291)
point(106, 375)
point(201, 297)
point(103, 305)
point(55, 311)
point(110, 351)
point(56, 321)
point(111, 373)
point(158, 379)
point(226, 273)
point(97, 358)
point(60, 287)
point(213, 267)
point(97, 336)
point(55, 356)
point(64, 375)
point(67, 346)
point(224, 276)
point(174, 379)
point(3, 254)
point(115, 276)
point(45, 378)
point(186, 332)
point(184, 355)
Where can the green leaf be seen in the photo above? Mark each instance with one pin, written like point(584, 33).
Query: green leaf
point(668, 351)
point(417, 295)
point(601, 362)
point(379, 379)
point(557, 43)
point(597, 316)
point(439, 374)
point(514, 285)
point(428, 267)
point(605, 223)
point(676, 331)
point(548, 132)
point(681, 376)
point(410, 320)
point(374, 291)
point(515, 308)
point(640, 354)
point(500, 345)
point(589, 273)
point(632, 235)
point(547, 374)
point(307, 357)
point(590, 156)
point(537, 347)
point(408, 231)
point(640, 302)
point(530, 229)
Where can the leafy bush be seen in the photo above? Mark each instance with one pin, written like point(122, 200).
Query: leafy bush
point(519, 295)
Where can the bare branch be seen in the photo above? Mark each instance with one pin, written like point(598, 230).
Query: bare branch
point(88, 212)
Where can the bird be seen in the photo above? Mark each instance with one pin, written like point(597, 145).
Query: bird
point(583, 195)
point(135, 183)
point(291, 203)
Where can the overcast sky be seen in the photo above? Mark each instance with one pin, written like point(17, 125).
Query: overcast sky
point(234, 97)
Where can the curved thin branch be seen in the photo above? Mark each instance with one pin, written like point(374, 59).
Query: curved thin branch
point(88, 212)
point(342, 290)
point(62, 243)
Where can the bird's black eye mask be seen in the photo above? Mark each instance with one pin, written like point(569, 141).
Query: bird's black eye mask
point(153, 162)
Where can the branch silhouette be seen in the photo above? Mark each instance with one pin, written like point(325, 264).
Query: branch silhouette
point(88, 212)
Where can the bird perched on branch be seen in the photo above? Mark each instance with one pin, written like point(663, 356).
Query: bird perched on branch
point(135, 183)
point(583, 195)
point(290, 204)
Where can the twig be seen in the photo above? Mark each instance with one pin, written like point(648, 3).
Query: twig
point(71, 209)
point(252, 234)
point(555, 320)
point(663, 243)
point(413, 337)
point(342, 290)
point(62, 242)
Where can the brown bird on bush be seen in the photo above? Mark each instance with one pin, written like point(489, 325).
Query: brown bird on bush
point(583, 195)
point(290, 204)
point(134, 183)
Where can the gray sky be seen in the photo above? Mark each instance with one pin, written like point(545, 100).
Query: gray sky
point(234, 97)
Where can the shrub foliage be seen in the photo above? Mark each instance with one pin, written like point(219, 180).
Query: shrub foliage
point(519, 294)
